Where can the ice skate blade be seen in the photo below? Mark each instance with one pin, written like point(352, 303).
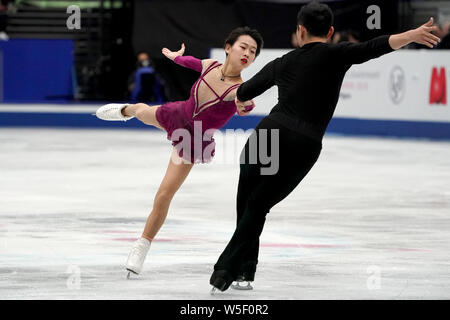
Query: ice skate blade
point(237, 286)
point(129, 273)
point(213, 291)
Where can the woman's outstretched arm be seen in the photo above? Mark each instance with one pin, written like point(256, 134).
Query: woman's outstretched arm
point(185, 61)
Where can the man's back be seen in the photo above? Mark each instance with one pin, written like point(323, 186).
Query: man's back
point(309, 80)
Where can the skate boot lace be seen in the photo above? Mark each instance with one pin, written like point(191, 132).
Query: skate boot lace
point(111, 112)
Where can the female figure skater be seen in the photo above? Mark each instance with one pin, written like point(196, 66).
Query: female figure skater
point(190, 124)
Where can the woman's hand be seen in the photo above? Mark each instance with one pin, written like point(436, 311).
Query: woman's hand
point(173, 54)
point(244, 108)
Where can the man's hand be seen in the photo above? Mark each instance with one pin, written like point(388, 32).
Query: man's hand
point(420, 35)
point(424, 36)
point(244, 108)
point(173, 54)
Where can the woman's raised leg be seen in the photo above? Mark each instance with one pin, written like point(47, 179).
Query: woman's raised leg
point(143, 112)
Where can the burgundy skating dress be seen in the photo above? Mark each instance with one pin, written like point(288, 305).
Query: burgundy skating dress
point(190, 124)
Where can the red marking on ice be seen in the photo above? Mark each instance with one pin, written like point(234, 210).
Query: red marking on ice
point(298, 245)
point(115, 231)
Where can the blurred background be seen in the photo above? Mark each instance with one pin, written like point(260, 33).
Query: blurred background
point(115, 53)
point(113, 33)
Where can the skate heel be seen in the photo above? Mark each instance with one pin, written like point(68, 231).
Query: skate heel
point(219, 284)
point(220, 280)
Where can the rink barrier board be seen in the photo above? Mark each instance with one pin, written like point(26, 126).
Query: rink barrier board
point(406, 85)
point(338, 125)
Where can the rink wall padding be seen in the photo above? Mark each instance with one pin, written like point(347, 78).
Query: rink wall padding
point(36, 70)
point(80, 119)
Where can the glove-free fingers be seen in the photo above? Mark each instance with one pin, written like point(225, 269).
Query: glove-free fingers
point(430, 29)
point(429, 45)
point(432, 40)
point(435, 38)
point(429, 22)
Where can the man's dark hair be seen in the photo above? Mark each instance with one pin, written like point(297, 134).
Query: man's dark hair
point(316, 17)
point(241, 31)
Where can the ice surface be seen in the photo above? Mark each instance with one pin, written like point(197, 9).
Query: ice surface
point(370, 221)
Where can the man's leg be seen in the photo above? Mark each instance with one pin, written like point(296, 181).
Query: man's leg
point(297, 156)
point(269, 191)
point(248, 179)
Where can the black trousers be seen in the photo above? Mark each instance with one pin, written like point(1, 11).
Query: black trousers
point(258, 193)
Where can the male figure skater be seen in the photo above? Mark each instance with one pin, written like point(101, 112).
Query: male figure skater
point(309, 79)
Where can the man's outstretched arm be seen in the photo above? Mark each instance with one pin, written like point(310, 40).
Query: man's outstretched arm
point(354, 53)
point(259, 83)
point(420, 35)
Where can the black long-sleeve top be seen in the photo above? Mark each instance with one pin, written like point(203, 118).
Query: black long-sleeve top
point(309, 80)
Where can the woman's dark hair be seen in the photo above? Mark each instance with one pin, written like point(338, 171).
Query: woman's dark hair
point(241, 31)
point(316, 17)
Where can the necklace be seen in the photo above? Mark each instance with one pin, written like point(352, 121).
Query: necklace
point(223, 76)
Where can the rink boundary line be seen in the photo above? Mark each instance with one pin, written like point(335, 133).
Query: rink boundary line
point(49, 108)
point(81, 117)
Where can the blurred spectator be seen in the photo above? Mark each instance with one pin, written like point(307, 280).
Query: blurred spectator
point(445, 42)
point(353, 36)
point(3, 19)
point(444, 34)
point(349, 35)
point(294, 41)
point(335, 37)
point(144, 84)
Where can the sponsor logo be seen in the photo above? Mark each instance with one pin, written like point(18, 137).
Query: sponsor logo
point(397, 84)
point(438, 86)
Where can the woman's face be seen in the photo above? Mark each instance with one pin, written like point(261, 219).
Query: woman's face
point(243, 52)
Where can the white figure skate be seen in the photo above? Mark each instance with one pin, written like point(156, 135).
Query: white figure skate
point(112, 112)
point(137, 256)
